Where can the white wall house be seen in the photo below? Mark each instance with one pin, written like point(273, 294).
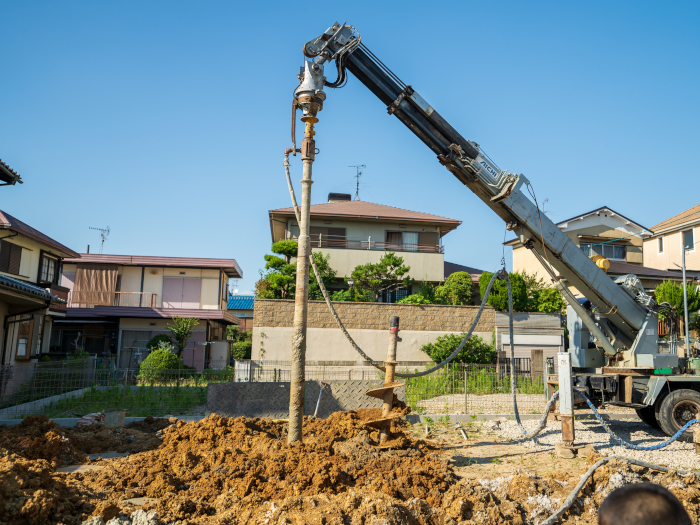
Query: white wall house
point(359, 232)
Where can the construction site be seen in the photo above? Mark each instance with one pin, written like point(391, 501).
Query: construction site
point(379, 439)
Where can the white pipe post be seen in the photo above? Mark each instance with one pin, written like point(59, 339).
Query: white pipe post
point(685, 307)
point(566, 399)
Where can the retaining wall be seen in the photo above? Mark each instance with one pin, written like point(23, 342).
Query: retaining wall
point(367, 323)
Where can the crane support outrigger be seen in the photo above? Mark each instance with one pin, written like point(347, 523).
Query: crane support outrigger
point(626, 363)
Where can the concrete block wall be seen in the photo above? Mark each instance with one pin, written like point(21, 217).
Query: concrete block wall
point(367, 323)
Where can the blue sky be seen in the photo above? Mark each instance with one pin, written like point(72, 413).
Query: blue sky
point(167, 121)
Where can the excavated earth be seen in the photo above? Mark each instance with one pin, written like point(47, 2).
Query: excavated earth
point(241, 471)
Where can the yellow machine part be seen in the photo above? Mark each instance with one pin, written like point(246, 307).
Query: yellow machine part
point(601, 262)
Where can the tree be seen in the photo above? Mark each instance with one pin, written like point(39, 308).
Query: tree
point(242, 345)
point(388, 274)
point(181, 330)
point(278, 279)
point(475, 350)
point(498, 298)
point(672, 293)
point(457, 289)
point(154, 341)
point(328, 275)
point(287, 248)
point(425, 295)
point(549, 300)
point(534, 287)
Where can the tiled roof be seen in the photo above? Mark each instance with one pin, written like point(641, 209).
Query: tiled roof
point(9, 175)
point(451, 268)
point(623, 268)
point(27, 288)
point(9, 222)
point(230, 266)
point(369, 210)
point(241, 302)
point(692, 214)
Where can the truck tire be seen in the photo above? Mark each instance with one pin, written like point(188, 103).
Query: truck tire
point(677, 408)
point(647, 415)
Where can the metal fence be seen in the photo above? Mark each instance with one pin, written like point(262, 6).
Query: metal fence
point(76, 388)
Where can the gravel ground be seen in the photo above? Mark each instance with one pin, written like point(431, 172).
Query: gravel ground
point(494, 404)
point(677, 454)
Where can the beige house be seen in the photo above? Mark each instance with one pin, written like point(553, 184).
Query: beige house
point(605, 232)
point(30, 298)
point(662, 250)
point(118, 302)
point(359, 232)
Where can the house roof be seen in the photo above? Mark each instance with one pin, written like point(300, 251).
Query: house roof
point(601, 209)
point(513, 242)
point(690, 215)
point(8, 222)
point(371, 211)
point(451, 268)
point(229, 266)
point(151, 313)
point(8, 175)
point(241, 302)
point(623, 268)
point(27, 289)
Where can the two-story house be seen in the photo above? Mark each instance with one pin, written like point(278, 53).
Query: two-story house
point(117, 303)
point(242, 306)
point(359, 232)
point(663, 249)
point(31, 299)
point(605, 232)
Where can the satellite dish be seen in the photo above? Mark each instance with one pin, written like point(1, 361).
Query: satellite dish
point(235, 291)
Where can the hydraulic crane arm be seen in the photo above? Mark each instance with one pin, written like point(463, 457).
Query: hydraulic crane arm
point(499, 190)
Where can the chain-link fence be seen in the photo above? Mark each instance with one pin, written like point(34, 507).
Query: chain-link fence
point(76, 388)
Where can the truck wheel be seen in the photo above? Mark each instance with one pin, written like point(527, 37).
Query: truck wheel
point(646, 414)
point(676, 410)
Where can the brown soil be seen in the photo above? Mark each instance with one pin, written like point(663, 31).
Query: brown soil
point(37, 437)
point(241, 471)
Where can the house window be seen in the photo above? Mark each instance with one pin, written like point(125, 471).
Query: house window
point(404, 241)
point(24, 338)
point(393, 296)
point(688, 240)
point(49, 269)
point(609, 251)
point(10, 257)
point(661, 244)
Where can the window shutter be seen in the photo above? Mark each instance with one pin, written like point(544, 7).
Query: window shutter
point(428, 238)
point(172, 292)
point(5, 248)
point(15, 259)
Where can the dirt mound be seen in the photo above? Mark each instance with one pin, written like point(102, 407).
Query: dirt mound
point(198, 462)
point(31, 493)
point(37, 437)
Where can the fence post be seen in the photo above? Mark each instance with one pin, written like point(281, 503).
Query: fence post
point(466, 399)
point(536, 364)
point(126, 375)
point(34, 380)
point(178, 371)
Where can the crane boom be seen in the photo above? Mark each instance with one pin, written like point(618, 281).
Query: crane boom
point(499, 190)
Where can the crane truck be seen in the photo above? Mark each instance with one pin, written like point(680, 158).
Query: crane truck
point(617, 355)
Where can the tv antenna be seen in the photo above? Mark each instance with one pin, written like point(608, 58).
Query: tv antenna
point(357, 179)
point(104, 233)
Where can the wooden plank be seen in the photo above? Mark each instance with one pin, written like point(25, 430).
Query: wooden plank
point(536, 365)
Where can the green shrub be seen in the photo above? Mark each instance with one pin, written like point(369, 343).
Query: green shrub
point(456, 290)
point(498, 298)
point(415, 298)
point(160, 363)
point(242, 349)
point(474, 351)
point(154, 341)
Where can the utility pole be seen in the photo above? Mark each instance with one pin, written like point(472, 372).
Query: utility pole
point(309, 98)
point(685, 305)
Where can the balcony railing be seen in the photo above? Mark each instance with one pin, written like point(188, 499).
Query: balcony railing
point(82, 299)
point(335, 241)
